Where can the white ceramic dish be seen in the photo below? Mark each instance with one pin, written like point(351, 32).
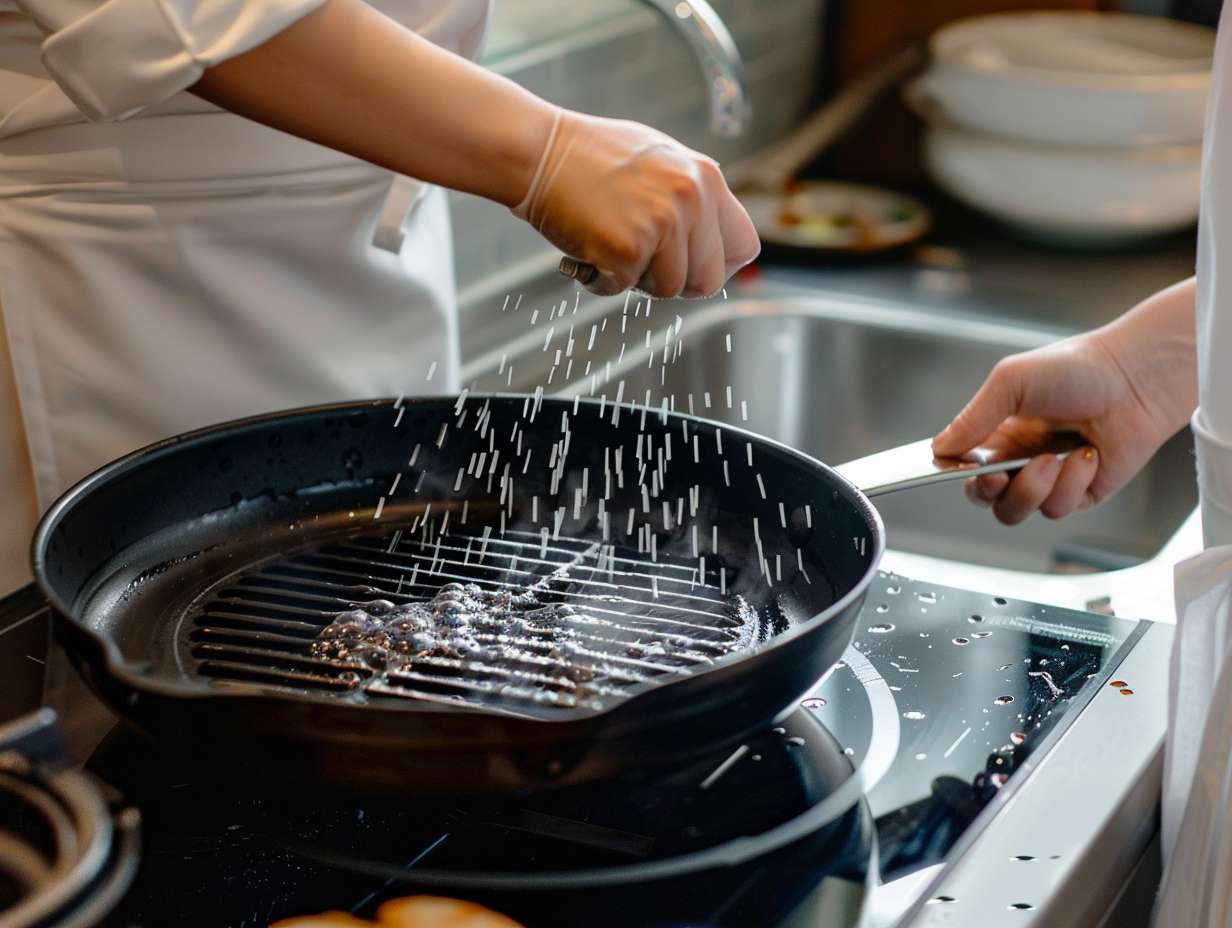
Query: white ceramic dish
point(1073, 78)
point(1077, 196)
point(837, 217)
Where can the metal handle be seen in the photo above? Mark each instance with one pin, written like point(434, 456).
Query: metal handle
point(913, 465)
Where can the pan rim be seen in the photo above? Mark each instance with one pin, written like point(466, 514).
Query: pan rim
point(127, 672)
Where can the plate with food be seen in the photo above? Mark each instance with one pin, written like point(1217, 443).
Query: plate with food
point(812, 218)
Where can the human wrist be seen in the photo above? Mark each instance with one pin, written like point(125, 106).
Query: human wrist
point(520, 147)
point(1153, 347)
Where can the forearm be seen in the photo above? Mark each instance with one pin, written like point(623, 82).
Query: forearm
point(348, 77)
point(1154, 343)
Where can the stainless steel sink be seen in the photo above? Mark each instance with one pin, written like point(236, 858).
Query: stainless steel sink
point(838, 379)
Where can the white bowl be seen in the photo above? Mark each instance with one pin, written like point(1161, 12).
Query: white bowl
point(1078, 196)
point(1073, 78)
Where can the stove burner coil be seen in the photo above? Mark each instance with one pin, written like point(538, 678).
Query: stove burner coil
point(65, 856)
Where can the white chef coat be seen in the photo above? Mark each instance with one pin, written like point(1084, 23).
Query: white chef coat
point(1197, 799)
point(165, 265)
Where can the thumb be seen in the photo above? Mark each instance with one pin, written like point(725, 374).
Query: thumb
point(999, 398)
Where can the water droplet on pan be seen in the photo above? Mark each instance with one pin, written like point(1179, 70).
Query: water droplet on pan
point(960, 641)
point(813, 702)
point(881, 628)
point(1003, 700)
point(913, 714)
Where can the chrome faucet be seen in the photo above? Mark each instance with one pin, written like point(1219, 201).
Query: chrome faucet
point(719, 58)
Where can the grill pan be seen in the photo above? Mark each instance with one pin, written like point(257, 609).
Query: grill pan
point(190, 579)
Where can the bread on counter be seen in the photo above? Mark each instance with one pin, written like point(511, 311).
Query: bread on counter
point(409, 912)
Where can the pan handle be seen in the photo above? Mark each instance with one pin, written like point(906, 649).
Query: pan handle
point(913, 465)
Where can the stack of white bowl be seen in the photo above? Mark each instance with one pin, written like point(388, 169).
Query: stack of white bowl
point(1081, 128)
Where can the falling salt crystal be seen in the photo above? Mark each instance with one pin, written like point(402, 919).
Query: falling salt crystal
point(380, 507)
point(744, 411)
point(728, 338)
point(729, 396)
point(431, 371)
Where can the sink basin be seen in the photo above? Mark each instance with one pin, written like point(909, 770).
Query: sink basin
point(839, 379)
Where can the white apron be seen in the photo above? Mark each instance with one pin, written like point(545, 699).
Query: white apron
point(1197, 789)
point(186, 266)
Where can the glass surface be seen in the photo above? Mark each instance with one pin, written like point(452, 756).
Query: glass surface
point(972, 684)
point(978, 683)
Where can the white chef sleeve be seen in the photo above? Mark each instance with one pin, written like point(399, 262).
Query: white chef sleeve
point(117, 57)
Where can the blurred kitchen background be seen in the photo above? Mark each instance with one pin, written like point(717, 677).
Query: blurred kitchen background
point(937, 185)
point(621, 58)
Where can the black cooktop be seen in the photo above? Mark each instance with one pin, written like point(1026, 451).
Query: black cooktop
point(901, 753)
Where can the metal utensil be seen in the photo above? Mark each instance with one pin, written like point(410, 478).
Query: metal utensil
point(913, 465)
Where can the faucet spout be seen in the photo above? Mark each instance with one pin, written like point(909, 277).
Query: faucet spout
point(716, 52)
